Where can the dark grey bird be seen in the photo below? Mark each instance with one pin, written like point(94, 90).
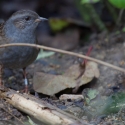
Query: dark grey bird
point(19, 28)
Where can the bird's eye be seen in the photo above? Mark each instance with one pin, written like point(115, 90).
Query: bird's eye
point(27, 18)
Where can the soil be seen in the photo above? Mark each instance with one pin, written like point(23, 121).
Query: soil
point(109, 48)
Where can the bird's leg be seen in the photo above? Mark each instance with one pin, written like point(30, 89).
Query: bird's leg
point(25, 80)
point(26, 83)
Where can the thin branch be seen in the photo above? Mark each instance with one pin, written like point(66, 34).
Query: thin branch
point(13, 116)
point(40, 110)
point(119, 17)
point(65, 52)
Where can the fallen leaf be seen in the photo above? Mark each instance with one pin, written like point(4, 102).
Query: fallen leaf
point(51, 84)
point(91, 70)
point(44, 54)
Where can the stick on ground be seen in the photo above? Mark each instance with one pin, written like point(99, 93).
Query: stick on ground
point(41, 110)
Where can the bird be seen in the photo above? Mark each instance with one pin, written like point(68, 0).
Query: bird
point(19, 28)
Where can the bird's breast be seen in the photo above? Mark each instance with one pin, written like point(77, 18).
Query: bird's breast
point(18, 57)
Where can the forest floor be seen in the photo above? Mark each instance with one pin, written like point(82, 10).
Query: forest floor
point(110, 85)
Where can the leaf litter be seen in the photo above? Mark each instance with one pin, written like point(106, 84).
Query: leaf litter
point(51, 84)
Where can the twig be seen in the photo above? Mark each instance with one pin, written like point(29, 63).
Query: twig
point(65, 52)
point(88, 53)
point(41, 110)
point(119, 17)
point(13, 116)
point(83, 66)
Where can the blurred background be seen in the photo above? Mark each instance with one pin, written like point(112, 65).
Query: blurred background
point(71, 22)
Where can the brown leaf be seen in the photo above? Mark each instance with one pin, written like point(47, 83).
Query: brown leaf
point(51, 84)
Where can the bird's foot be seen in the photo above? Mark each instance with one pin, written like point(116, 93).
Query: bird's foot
point(25, 90)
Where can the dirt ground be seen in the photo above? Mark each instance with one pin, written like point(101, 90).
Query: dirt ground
point(109, 48)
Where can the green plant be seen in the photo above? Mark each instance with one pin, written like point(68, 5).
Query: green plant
point(118, 3)
point(89, 1)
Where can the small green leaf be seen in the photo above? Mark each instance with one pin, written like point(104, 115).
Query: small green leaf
point(58, 24)
point(89, 1)
point(92, 93)
point(30, 121)
point(44, 54)
point(118, 3)
point(123, 30)
point(26, 123)
point(117, 32)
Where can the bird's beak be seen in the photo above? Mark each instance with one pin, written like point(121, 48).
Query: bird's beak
point(41, 19)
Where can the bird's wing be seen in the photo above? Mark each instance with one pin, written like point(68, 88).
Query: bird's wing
point(2, 31)
point(3, 39)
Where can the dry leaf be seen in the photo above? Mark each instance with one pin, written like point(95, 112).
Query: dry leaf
point(51, 84)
